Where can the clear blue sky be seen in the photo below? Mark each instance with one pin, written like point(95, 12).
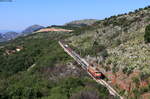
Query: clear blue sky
point(19, 14)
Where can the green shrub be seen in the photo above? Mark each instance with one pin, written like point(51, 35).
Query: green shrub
point(128, 70)
point(147, 34)
point(135, 80)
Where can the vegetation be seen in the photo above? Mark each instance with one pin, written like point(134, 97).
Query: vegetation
point(32, 72)
point(147, 34)
point(26, 86)
point(45, 51)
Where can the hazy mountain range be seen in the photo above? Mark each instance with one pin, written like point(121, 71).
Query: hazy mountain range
point(6, 35)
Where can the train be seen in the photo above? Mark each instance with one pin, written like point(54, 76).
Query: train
point(68, 48)
point(95, 73)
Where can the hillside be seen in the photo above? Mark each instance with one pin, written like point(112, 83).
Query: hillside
point(42, 70)
point(116, 45)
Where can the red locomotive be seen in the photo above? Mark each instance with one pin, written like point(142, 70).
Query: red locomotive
point(95, 73)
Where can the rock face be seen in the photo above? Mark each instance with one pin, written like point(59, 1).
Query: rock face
point(79, 23)
point(31, 29)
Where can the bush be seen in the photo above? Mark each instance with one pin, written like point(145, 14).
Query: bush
point(127, 70)
point(147, 34)
point(86, 94)
point(135, 80)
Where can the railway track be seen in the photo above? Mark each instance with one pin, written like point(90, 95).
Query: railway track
point(84, 65)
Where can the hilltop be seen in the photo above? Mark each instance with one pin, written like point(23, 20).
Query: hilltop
point(32, 29)
point(79, 23)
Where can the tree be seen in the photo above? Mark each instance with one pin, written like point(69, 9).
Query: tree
point(147, 34)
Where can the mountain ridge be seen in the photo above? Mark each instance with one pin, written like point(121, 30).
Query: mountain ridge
point(12, 35)
point(80, 23)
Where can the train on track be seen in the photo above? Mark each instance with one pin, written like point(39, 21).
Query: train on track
point(93, 71)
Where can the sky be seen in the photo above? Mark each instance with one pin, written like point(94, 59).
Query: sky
point(19, 14)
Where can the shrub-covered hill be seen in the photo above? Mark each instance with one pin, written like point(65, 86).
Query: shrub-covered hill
point(80, 23)
point(36, 67)
point(117, 46)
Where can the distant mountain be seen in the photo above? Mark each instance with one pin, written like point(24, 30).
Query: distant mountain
point(31, 29)
point(78, 23)
point(10, 35)
point(6, 36)
point(0, 35)
point(1, 38)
